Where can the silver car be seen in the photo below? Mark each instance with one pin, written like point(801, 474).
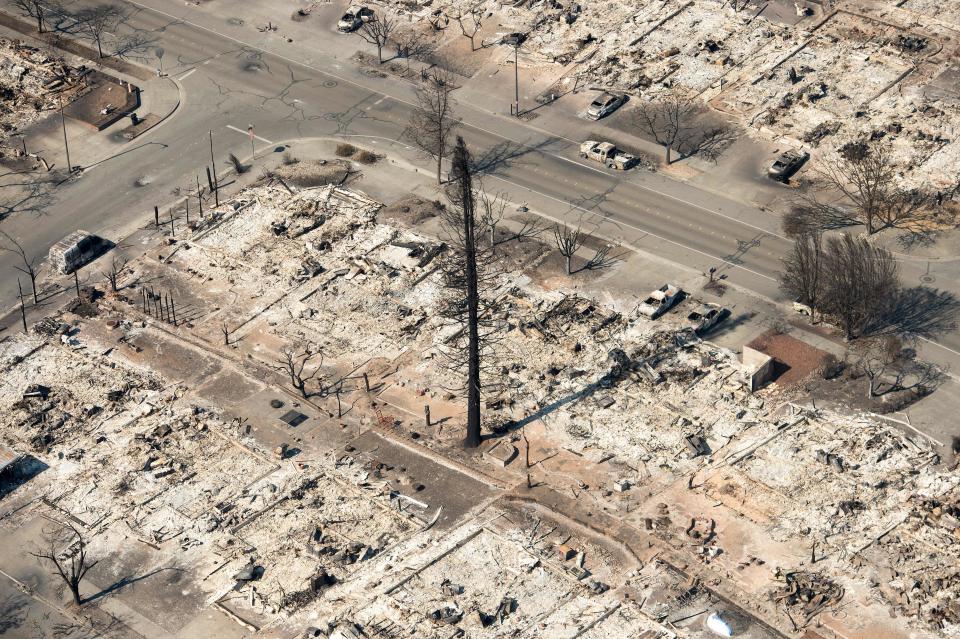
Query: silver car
point(604, 105)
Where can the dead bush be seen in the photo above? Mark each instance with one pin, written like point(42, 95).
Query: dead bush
point(345, 150)
point(830, 366)
point(365, 157)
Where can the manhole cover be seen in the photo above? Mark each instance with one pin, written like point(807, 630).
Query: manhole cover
point(276, 403)
point(928, 279)
point(329, 84)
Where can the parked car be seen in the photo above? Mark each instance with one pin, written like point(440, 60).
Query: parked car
point(660, 301)
point(354, 18)
point(786, 164)
point(604, 105)
point(77, 250)
point(705, 317)
point(607, 153)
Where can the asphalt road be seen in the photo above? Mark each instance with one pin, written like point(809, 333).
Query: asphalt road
point(228, 84)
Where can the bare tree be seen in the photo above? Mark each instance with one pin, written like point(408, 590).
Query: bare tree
point(114, 271)
point(493, 208)
point(412, 44)
point(97, 21)
point(603, 257)
point(889, 366)
point(36, 9)
point(70, 564)
point(377, 32)
point(860, 283)
point(469, 278)
point(295, 364)
point(674, 123)
point(802, 277)
point(568, 242)
point(866, 177)
point(433, 121)
point(29, 264)
point(470, 23)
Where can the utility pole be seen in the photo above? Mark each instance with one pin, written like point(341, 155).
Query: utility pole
point(66, 145)
point(216, 181)
point(516, 78)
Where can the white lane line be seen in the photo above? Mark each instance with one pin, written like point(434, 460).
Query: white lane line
point(187, 74)
point(473, 126)
point(946, 348)
point(233, 128)
point(635, 228)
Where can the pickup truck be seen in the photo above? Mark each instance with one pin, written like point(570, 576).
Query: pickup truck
point(705, 317)
point(786, 164)
point(607, 154)
point(354, 18)
point(660, 301)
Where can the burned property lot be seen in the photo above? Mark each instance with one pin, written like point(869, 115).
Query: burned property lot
point(622, 455)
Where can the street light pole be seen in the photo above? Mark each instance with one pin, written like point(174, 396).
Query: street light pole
point(66, 145)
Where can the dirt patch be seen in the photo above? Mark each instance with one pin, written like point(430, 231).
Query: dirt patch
point(314, 172)
point(104, 103)
point(794, 359)
point(410, 210)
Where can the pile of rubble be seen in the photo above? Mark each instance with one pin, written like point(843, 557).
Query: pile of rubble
point(30, 82)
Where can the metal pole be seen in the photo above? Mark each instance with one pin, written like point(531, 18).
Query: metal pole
point(173, 309)
point(76, 281)
point(23, 309)
point(187, 204)
point(216, 181)
point(156, 216)
point(199, 197)
point(516, 77)
point(143, 294)
point(172, 231)
point(66, 145)
point(209, 178)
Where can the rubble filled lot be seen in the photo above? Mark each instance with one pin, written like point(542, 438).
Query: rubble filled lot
point(643, 405)
point(30, 81)
point(830, 80)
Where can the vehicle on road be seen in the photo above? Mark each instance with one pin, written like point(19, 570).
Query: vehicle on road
point(786, 164)
point(354, 18)
point(660, 301)
point(607, 153)
point(77, 250)
point(604, 105)
point(705, 317)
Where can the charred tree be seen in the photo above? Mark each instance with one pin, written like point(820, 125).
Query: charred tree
point(802, 277)
point(70, 564)
point(470, 278)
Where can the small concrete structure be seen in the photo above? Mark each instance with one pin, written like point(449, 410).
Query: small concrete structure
point(759, 367)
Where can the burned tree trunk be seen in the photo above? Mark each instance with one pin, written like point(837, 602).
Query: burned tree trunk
point(464, 185)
